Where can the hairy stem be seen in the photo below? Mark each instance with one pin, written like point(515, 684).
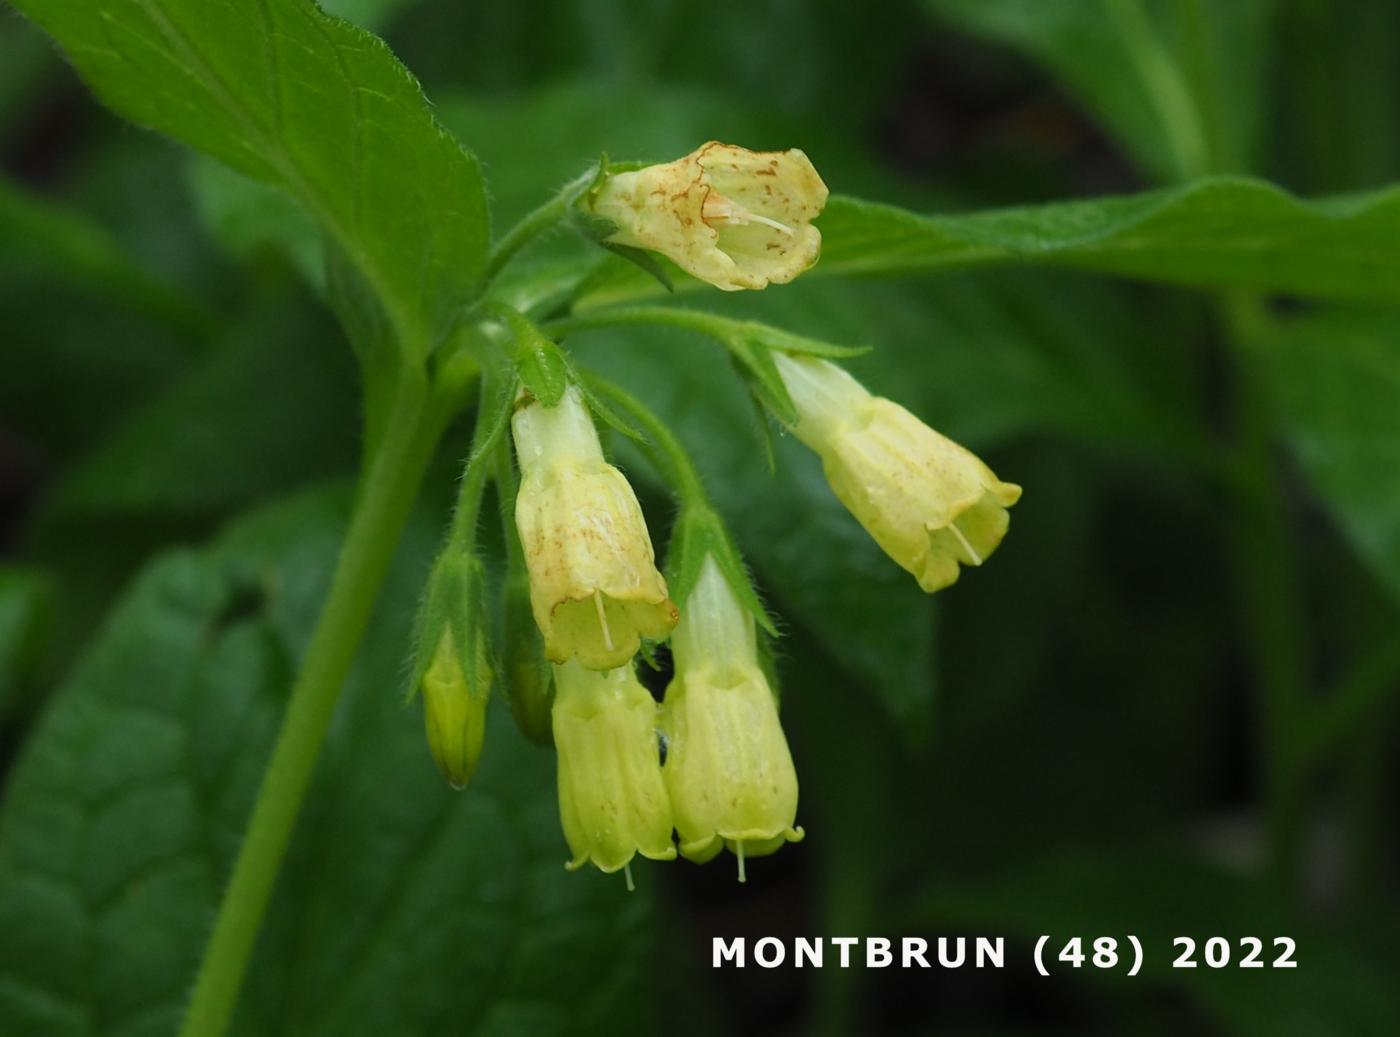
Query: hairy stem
point(536, 223)
point(382, 506)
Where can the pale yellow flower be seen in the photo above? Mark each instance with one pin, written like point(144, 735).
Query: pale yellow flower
point(728, 768)
point(594, 587)
point(929, 503)
point(454, 710)
point(733, 217)
point(612, 800)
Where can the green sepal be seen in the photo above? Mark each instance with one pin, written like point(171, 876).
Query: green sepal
point(640, 257)
point(700, 533)
point(540, 364)
point(647, 652)
point(597, 229)
point(752, 344)
point(765, 433)
point(603, 410)
point(755, 364)
point(453, 602)
point(777, 338)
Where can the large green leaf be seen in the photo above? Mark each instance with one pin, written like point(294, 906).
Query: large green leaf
point(1217, 232)
point(1179, 84)
point(1337, 373)
point(404, 907)
point(293, 97)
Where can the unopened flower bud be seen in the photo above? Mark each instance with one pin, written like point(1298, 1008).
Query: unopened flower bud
point(454, 710)
point(594, 587)
point(728, 768)
point(929, 503)
point(612, 800)
point(733, 217)
point(525, 671)
point(451, 667)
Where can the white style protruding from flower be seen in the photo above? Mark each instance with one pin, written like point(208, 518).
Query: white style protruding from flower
point(733, 217)
point(728, 768)
point(929, 503)
point(612, 800)
point(594, 587)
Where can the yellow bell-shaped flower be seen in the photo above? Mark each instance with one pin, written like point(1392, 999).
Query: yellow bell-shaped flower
point(931, 504)
point(733, 217)
point(728, 768)
point(612, 800)
point(594, 587)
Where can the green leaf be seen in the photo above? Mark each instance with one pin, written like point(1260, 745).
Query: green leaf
point(271, 406)
point(24, 605)
point(1180, 85)
point(27, 65)
point(403, 907)
point(1337, 377)
point(42, 240)
point(296, 98)
point(246, 216)
point(1219, 232)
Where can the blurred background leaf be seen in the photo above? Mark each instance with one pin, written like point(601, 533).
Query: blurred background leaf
point(1180, 83)
point(1337, 374)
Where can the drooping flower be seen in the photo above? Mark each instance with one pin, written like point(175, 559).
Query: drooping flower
point(612, 800)
point(594, 587)
point(931, 504)
point(728, 768)
point(733, 217)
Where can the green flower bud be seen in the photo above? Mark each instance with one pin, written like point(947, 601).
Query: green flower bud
point(594, 587)
point(454, 712)
point(452, 668)
point(525, 669)
point(728, 769)
point(727, 215)
point(929, 503)
point(612, 800)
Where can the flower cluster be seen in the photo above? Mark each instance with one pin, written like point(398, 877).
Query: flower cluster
point(708, 768)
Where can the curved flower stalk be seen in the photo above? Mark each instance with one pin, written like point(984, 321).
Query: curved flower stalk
point(733, 217)
point(612, 800)
point(929, 503)
point(728, 768)
point(594, 587)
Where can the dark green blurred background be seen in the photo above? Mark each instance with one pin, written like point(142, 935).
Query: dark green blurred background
point(1073, 740)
